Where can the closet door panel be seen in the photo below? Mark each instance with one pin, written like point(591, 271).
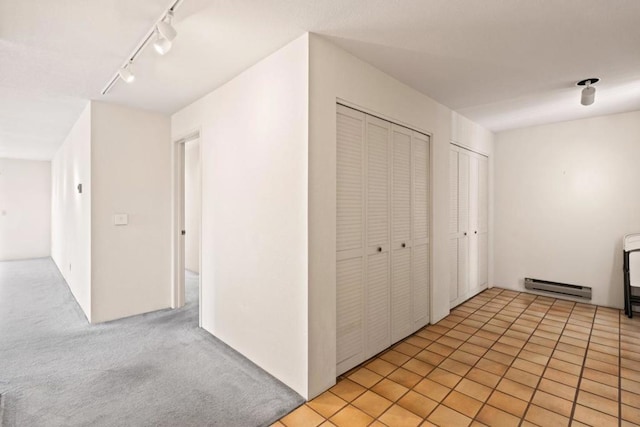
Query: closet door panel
point(401, 218)
point(453, 225)
point(378, 228)
point(420, 278)
point(349, 313)
point(420, 187)
point(350, 177)
point(483, 222)
point(453, 192)
point(377, 182)
point(473, 222)
point(463, 192)
point(453, 270)
point(420, 220)
point(401, 298)
point(401, 308)
point(483, 260)
point(378, 321)
point(350, 255)
point(463, 269)
point(483, 194)
point(463, 225)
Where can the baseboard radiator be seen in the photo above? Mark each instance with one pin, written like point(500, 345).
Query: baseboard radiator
point(583, 292)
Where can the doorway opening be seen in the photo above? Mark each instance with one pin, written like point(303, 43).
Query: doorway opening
point(187, 219)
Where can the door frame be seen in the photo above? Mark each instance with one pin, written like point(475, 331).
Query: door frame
point(178, 222)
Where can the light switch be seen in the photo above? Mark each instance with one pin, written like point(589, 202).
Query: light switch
point(120, 219)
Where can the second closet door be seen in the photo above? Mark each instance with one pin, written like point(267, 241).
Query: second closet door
point(468, 224)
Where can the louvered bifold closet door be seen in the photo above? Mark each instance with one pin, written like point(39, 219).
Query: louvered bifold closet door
point(463, 226)
point(383, 235)
point(453, 226)
point(468, 223)
point(483, 221)
point(377, 223)
point(350, 239)
point(420, 236)
point(473, 225)
point(401, 302)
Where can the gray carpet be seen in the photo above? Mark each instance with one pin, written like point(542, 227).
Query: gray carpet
point(157, 369)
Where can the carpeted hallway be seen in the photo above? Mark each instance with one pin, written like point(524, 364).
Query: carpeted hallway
point(157, 369)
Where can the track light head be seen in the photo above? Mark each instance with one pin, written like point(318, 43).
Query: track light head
point(165, 28)
point(588, 95)
point(161, 45)
point(126, 74)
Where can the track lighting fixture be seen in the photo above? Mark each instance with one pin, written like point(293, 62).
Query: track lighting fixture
point(126, 74)
point(588, 95)
point(161, 45)
point(165, 33)
point(165, 28)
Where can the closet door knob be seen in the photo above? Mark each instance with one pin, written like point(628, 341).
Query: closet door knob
point(475, 232)
point(404, 245)
point(379, 249)
point(465, 233)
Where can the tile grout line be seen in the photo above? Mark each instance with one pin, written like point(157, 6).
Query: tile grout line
point(620, 367)
point(584, 361)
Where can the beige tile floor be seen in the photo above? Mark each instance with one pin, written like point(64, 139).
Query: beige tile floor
point(502, 358)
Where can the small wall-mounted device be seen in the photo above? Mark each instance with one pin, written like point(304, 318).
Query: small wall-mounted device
point(120, 219)
point(80, 188)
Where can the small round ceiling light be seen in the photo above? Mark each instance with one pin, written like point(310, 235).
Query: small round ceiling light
point(588, 95)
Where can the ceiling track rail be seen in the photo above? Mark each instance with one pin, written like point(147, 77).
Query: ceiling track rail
point(138, 50)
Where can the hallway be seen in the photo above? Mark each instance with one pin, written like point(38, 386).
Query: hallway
point(155, 369)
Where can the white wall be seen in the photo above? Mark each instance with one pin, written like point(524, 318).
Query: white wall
point(25, 209)
point(565, 194)
point(254, 211)
point(192, 205)
point(71, 211)
point(131, 174)
point(336, 75)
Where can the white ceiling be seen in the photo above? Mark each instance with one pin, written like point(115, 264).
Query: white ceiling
point(504, 64)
